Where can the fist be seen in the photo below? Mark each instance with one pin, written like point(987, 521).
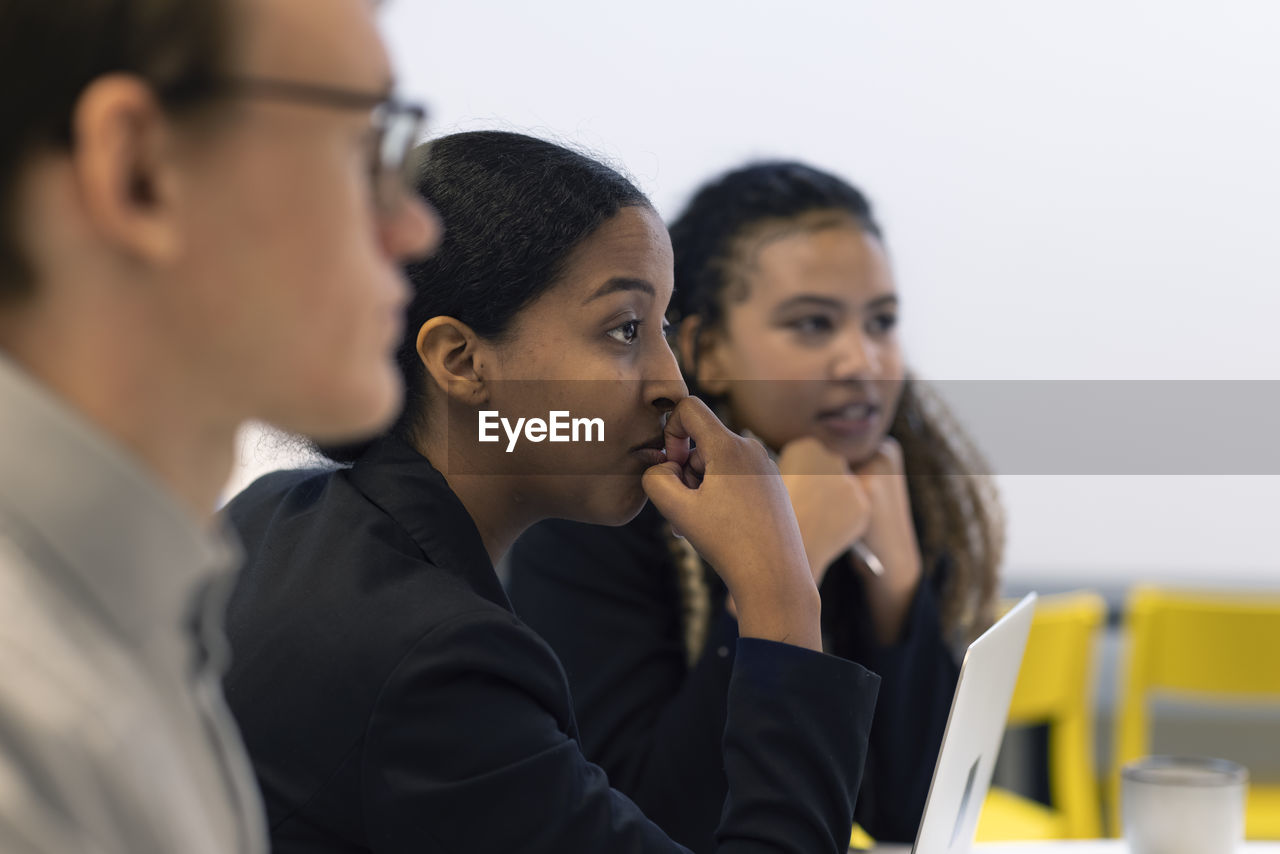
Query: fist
point(831, 503)
point(892, 534)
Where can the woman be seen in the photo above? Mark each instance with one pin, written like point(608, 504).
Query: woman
point(389, 698)
point(788, 310)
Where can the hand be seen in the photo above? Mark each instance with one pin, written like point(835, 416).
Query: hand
point(891, 537)
point(726, 497)
point(830, 502)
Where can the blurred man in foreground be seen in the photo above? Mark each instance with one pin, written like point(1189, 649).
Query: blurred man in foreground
point(201, 222)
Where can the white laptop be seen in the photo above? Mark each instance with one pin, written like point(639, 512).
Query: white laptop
point(972, 738)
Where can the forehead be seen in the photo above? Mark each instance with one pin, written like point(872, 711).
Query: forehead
point(332, 42)
point(830, 257)
point(632, 243)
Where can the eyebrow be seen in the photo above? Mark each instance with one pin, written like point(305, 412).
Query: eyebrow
point(622, 283)
point(835, 304)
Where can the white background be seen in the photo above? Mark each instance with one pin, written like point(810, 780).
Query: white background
point(1084, 190)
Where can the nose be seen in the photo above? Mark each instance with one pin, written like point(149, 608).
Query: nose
point(411, 230)
point(854, 357)
point(663, 384)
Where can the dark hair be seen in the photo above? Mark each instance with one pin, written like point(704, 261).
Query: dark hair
point(514, 208)
point(953, 498)
point(707, 235)
point(51, 50)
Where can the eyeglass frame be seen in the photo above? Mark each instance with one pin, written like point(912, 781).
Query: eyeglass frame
point(392, 165)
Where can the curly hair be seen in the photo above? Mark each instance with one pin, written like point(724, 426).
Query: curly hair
point(960, 522)
point(955, 501)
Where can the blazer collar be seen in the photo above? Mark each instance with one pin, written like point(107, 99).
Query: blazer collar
point(404, 484)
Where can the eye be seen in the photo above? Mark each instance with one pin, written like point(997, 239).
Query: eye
point(813, 324)
point(882, 323)
point(625, 333)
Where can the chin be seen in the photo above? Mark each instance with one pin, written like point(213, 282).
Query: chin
point(855, 451)
point(628, 512)
point(612, 500)
point(368, 412)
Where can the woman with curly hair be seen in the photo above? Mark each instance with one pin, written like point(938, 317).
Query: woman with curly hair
point(787, 312)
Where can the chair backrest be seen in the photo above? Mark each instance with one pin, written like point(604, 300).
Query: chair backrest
point(1055, 687)
point(1192, 645)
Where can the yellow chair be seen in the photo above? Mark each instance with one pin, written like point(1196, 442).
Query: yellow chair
point(1055, 687)
point(860, 840)
point(1222, 647)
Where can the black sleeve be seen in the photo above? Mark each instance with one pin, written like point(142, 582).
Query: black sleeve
point(605, 599)
point(918, 679)
point(471, 749)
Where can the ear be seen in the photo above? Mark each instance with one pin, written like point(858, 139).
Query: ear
point(702, 353)
point(450, 351)
point(121, 157)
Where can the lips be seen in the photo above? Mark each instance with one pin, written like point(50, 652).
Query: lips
point(652, 451)
point(657, 443)
point(856, 419)
point(852, 411)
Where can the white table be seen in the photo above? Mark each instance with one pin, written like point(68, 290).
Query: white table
point(1074, 846)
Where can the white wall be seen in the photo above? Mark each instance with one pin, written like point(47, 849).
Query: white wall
point(1083, 190)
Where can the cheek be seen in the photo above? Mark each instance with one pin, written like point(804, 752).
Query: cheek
point(892, 396)
point(777, 410)
point(280, 237)
point(542, 355)
point(892, 363)
point(315, 217)
point(775, 355)
point(776, 380)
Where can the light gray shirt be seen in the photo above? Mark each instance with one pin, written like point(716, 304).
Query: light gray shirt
point(114, 738)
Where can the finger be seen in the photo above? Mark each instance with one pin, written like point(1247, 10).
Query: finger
point(882, 462)
point(697, 464)
point(693, 420)
point(859, 496)
point(665, 487)
point(891, 452)
point(808, 455)
point(775, 458)
point(873, 466)
point(676, 447)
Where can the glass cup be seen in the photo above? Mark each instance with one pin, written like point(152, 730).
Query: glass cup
point(1183, 805)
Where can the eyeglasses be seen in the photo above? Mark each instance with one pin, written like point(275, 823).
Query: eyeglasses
point(396, 125)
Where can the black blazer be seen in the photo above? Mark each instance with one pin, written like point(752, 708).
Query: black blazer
point(391, 701)
point(606, 600)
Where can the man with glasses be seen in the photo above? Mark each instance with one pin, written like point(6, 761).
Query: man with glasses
point(202, 221)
